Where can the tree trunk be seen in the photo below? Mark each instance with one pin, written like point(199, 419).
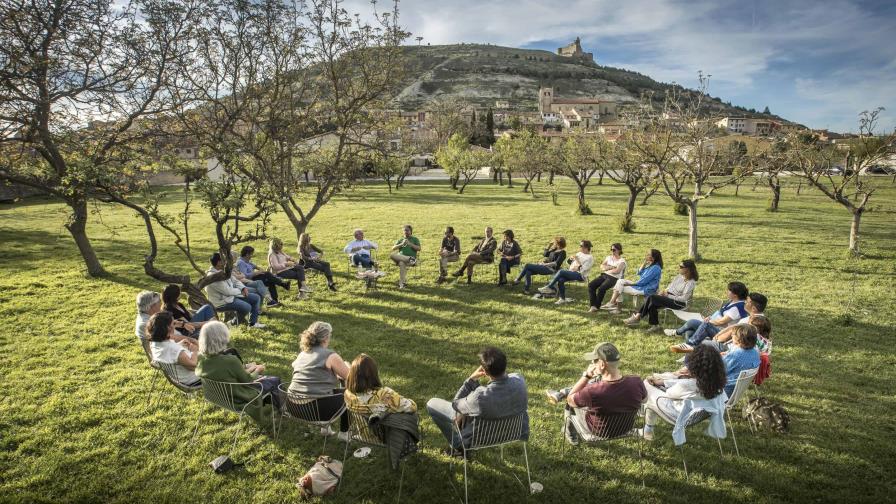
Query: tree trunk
point(500, 177)
point(854, 230)
point(494, 176)
point(509, 180)
point(539, 177)
point(77, 226)
point(298, 223)
point(551, 178)
point(692, 231)
point(600, 178)
point(736, 190)
point(798, 187)
point(454, 181)
point(389, 183)
point(776, 197)
point(632, 199)
point(583, 206)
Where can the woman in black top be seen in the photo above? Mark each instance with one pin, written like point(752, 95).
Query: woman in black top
point(185, 322)
point(449, 252)
point(554, 255)
point(510, 256)
point(311, 257)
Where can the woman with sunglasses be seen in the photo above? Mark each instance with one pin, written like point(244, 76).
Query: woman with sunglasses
point(612, 270)
point(676, 297)
point(579, 266)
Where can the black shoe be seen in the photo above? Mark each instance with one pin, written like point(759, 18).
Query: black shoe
point(455, 453)
point(273, 304)
point(332, 287)
point(286, 285)
point(457, 274)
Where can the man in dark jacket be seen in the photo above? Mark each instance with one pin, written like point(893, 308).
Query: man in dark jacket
point(483, 253)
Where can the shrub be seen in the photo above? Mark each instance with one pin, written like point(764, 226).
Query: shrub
point(680, 209)
point(626, 224)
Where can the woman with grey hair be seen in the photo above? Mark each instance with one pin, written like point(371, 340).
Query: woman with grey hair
point(318, 371)
point(217, 364)
point(148, 304)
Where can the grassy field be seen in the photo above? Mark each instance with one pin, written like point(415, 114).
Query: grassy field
point(74, 424)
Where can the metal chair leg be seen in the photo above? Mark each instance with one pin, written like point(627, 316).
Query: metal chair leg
point(733, 436)
point(198, 422)
point(152, 388)
point(641, 459)
point(685, 463)
point(528, 474)
point(721, 454)
point(344, 462)
point(466, 484)
point(239, 427)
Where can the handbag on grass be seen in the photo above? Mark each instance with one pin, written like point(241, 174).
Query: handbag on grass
point(322, 478)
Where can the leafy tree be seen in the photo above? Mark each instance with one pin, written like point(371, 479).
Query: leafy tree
point(579, 157)
point(523, 153)
point(461, 160)
point(766, 110)
point(79, 80)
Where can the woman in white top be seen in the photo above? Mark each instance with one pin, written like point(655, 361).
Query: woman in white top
point(160, 329)
point(703, 379)
point(612, 270)
point(579, 266)
point(285, 266)
point(677, 296)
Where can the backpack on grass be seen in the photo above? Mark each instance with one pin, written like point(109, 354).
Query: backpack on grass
point(322, 478)
point(761, 412)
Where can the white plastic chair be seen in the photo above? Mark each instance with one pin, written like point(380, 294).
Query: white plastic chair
point(494, 432)
point(304, 409)
point(695, 417)
point(744, 379)
point(222, 394)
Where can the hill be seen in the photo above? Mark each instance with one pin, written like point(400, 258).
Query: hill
point(482, 74)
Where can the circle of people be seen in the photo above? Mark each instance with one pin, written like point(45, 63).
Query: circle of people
point(734, 338)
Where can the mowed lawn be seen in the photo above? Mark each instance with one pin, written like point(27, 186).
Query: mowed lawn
point(75, 425)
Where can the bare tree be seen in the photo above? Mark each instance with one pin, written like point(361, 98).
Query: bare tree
point(580, 156)
point(630, 167)
point(769, 165)
point(692, 166)
point(525, 153)
point(849, 188)
point(77, 80)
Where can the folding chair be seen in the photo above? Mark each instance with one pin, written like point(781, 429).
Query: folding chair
point(170, 372)
point(618, 426)
point(156, 370)
point(744, 379)
point(695, 417)
point(360, 433)
point(221, 394)
point(304, 409)
point(492, 432)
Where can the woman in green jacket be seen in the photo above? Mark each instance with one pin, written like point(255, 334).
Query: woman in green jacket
point(214, 363)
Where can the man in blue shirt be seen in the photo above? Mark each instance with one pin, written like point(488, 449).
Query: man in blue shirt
point(695, 331)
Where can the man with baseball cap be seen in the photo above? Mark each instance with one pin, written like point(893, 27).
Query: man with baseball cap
point(601, 393)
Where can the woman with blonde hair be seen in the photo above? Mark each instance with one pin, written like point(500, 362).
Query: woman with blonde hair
point(311, 258)
point(318, 371)
point(365, 393)
point(285, 266)
point(552, 261)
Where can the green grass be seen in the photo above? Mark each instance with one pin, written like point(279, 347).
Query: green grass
point(74, 424)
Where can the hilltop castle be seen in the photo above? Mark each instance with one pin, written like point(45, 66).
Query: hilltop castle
point(574, 50)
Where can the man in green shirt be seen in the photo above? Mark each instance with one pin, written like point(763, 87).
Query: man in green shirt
point(404, 253)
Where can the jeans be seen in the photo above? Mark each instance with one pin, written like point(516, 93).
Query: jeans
point(504, 268)
point(654, 302)
point(560, 279)
point(442, 414)
point(259, 288)
point(533, 269)
point(323, 267)
point(704, 331)
point(249, 305)
point(203, 314)
point(598, 288)
point(362, 260)
point(687, 329)
point(297, 272)
point(270, 281)
point(473, 259)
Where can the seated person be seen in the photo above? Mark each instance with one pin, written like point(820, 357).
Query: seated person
point(741, 355)
point(257, 287)
point(755, 305)
point(612, 270)
point(552, 260)
point(601, 393)
point(676, 297)
point(183, 355)
point(311, 257)
point(702, 382)
point(185, 322)
point(358, 250)
point(216, 362)
point(697, 330)
point(250, 270)
point(510, 256)
point(483, 253)
point(504, 395)
point(404, 253)
point(286, 267)
point(231, 295)
point(449, 252)
point(649, 275)
point(318, 370)
point(579, 266)
point(148, 304)
point(365, 393)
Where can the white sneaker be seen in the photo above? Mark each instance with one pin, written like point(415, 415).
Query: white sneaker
point(537, 296)
point(305, 288)
point(647, 434)
point(670, 332)
point(593, 309)
point(401, 285)
point(560, 301)
point(608, 306)
point(258, 325)
point(344, 437)
point(546, 290)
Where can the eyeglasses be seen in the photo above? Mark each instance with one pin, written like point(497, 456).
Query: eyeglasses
point(682, 266)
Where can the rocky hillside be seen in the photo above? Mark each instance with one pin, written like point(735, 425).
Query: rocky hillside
point(481, 74)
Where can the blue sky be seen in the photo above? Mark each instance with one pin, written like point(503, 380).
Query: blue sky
point(819, 63)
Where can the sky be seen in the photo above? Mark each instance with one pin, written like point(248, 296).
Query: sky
point(819, 63)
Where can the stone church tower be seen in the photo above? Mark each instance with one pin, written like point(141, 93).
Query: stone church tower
point(545, 100)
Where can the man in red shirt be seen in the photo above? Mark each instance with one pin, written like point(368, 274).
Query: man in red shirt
point(601, 395)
